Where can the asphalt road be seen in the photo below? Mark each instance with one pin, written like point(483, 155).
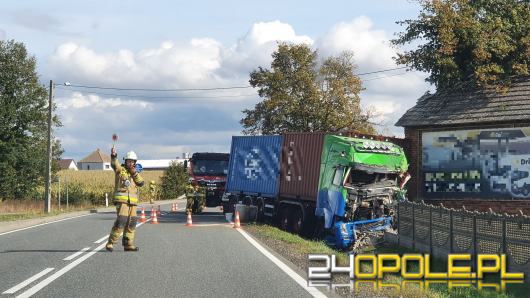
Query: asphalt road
point(209, 259)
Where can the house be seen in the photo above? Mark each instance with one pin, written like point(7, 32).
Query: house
point(96, 160)
point(471, 147)
point(157, 164)
point(67, 164)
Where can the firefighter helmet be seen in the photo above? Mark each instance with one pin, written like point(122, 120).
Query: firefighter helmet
point(131, 155)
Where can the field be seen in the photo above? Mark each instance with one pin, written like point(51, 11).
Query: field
point(92, 185)
point(82, 189)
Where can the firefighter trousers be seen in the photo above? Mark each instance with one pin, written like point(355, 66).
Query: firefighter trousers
point(125, 223)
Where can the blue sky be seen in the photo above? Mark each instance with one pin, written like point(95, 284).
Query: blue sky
point(194, 44)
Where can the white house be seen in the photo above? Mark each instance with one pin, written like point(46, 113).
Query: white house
point(67, 164)
point(96, 160)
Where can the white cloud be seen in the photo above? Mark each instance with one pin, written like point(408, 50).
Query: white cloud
point(79, 101)
point(370, 46)
point(390, 94)
point(161, 129)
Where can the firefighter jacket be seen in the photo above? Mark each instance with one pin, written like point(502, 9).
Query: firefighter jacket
point(126, 185)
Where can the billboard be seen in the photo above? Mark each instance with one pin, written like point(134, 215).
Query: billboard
point(482, 163)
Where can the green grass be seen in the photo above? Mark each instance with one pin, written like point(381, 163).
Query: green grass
point(20, 216)
point(304, 246)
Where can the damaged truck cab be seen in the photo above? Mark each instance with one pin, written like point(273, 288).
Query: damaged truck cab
point(359, 185)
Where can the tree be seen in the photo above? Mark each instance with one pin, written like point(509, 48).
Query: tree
point(483, 42)
point(301, 95)
point(174, 181)
point(23, 123)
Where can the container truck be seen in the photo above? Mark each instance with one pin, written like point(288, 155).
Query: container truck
point(311, 183)
point(209, 170)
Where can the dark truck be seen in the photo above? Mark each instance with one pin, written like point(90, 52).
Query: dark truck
point(318, 184)
point(209, 170)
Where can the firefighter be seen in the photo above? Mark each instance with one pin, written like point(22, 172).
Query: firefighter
point(190, 197)
point(195, 198)
point(126, 187)
point(152, 191)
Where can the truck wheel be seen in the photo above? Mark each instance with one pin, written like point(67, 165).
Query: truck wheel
point(260, 215)
point(284, 218)
point(298, 221)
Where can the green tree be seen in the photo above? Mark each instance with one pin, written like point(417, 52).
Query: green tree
point(23, 118)
point(301, 95)
point(174, 181)
point(485, 42)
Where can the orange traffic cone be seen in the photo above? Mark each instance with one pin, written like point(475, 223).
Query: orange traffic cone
point(155, 219)
point(237, 223)
point(142, 215)
point(174, 208)
point(189, 222)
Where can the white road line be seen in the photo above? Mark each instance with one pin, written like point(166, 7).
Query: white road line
point(59, 273)
point(31, 291)
point(297, 278)
point(46, 223)
point(102, 239)
point(28, 281)
point(73, 256)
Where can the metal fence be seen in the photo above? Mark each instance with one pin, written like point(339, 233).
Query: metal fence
point(441, 231)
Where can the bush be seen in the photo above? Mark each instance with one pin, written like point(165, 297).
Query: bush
point(174, 181)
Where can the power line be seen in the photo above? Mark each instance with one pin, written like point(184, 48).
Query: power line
point(195, 89)
point(384, 77)
point(157, 90)
point(158, 97)
point(382, 70)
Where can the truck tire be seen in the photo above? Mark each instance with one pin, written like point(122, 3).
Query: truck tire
point(284, 218)
point(260, 214)
point(297, 221)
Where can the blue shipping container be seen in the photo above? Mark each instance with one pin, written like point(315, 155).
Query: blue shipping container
point(254, 167)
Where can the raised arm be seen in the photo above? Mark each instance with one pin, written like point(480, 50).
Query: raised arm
point(114, 163)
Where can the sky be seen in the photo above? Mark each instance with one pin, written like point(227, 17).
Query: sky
point(194, 45)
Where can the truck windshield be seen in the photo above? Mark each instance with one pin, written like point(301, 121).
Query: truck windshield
point(359, 178)
point(210, 167)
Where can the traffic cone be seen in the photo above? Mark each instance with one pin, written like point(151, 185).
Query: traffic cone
point(189, 222)
point(142, 215)
point(237, 223)
point(155, 219)
point(174, 208)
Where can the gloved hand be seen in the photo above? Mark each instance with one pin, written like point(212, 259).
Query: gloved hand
point(113, 153)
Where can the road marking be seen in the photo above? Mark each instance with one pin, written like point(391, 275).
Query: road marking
point(28, 281)
point(59, 273)
point(42, 224)
point(297, 278)
point(102, 239)
point(51, 278)
point(211, 225)
point(73, 256)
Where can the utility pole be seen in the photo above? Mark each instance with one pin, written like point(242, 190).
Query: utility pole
point(47, 189)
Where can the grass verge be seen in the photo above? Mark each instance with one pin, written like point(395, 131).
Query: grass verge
point(295, 249)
